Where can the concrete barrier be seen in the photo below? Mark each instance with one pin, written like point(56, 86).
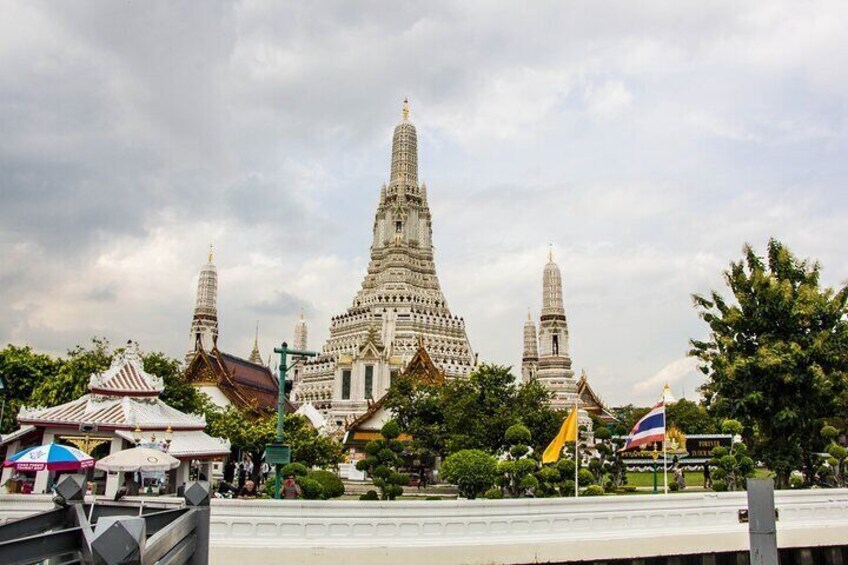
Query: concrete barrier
point(508, 531)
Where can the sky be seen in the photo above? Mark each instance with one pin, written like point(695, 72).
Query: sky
point(647, 142)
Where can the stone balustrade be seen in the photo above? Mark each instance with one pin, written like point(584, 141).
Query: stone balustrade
point(502, 531)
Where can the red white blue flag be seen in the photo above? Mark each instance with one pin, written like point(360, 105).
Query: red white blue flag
point(650, 429)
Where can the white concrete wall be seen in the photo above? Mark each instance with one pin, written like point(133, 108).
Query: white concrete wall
point(501, 532)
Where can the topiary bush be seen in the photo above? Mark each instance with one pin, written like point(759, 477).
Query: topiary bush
point(331, 485)
point(593, 490)
point(471, 470)
point(383, 459)
point(310, 489)
point(370, 495)
point(295, 469)
point(673, 486)
point(493, 493)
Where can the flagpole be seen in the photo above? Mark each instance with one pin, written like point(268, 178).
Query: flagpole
point(576, 460)
point(665, 453)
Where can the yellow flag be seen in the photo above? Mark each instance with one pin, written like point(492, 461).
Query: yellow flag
point(568, 432)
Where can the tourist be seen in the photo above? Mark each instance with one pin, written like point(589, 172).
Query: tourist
point(249, 490)
point(290, 490)
point(129, 488)
point(229, 471)
point(242, 476)
point(708, 482)
point(680, 477)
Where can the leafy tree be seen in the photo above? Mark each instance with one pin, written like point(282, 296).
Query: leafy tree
point(515, 474)
point(471, 470)
point(71, 380)
point(383, 458)
point(832, 473)
point(22, 371)
point(178, 393)
point(472, 413)
point(607, 466)
point(627, 417)
point(777, 356)
point(690, 417)
point(731, 466)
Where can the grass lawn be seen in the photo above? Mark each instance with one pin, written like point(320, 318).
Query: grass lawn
point(693, 478)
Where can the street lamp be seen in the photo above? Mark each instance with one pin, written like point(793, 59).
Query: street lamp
point(278, 453)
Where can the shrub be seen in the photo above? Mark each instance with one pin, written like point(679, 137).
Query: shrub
point(331, 485)
point(603, 433)
point(593, 490)
point(565, 467)
point(517, 435)
point(796, 479)
point(472, 470)
point(585, 477)
point(433, 498)
point(370, 495)
point(310, 489)
point(673, 486)
point(295, 469)
point(493, 493)
point(719, 485)
point(566, 488)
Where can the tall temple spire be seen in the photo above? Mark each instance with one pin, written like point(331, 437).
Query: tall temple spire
point(530, 358)
point(204, 323)
point(255, 356)
point(554, 369)
point(399, 302)
point(301, 334)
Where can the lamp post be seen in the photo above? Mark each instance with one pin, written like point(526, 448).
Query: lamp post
point(278, 453)
point(655, 455)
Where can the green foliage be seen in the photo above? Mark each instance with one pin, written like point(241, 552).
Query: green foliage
point(310, 489)
point(178, 393)
point(832, 473)
point(22, 371)
point(585, 477)
point(471, 470)
point(603, 434)
point(370, 495)
point(294, 470)
point(331, 485)
point(673, 486)
point(517, 434)
point(472, 413)
point(731, 466)
point(777, 356)
point(829, 433)
point(627, 417)
point(383, 457)
point(493, 493)
point(690, 417)
point(71, 380)
point(593, 490)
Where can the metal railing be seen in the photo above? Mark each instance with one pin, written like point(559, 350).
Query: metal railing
point(108, 533)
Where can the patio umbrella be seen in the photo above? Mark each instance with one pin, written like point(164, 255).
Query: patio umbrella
point(53, 457)
point(141, 459)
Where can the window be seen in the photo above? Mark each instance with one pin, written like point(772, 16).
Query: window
point(369, 381)
point(555, 344)
point(398, 227)
point(346, 384)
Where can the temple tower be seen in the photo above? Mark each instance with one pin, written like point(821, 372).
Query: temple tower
point(300, 334)
point(554, 368)
point(204, 323)
point(255, 356)
point(530, 358)
point(399, 304)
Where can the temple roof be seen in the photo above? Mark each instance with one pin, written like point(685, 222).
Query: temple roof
point(591, 401)
point(126, 377)
point(113, 412)
point(245, 384)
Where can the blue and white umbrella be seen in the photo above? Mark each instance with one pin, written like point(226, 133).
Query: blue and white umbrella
point(53, 457)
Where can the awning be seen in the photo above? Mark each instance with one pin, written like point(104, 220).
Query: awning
point(194, 444)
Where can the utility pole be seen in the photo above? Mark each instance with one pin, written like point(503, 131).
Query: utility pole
point(278, 453)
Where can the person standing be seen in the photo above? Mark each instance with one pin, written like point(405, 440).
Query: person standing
point(290, 489)
point(708, 482)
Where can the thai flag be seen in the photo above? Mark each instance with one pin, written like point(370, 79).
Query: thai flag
point(650, 429)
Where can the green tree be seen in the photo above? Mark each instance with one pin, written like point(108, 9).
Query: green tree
point(383, 458)
point(178, 393)
point(627, 417)
point(690, 417)
point(777, 356)
point(833, 471)
point(71, 380)
point(22, 371)
point(473, 471)
point(731, 465)
point(516, 472)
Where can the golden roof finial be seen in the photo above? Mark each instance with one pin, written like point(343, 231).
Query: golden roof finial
point(551, 252)
point(529, 317)
point(210, 252)
point(405, 109)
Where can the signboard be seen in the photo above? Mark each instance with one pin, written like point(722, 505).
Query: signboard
point(277, 454)
point(693, 450)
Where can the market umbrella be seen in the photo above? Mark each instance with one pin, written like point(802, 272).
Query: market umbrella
point(53, 457)
point(141, 459)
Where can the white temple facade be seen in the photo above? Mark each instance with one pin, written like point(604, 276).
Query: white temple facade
point(399, 305)
point(550, 363)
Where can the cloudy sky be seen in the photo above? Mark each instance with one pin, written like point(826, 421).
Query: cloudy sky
point(646, 141)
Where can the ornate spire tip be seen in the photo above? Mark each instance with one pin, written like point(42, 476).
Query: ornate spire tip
point(210, 252)
point(405, 109)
